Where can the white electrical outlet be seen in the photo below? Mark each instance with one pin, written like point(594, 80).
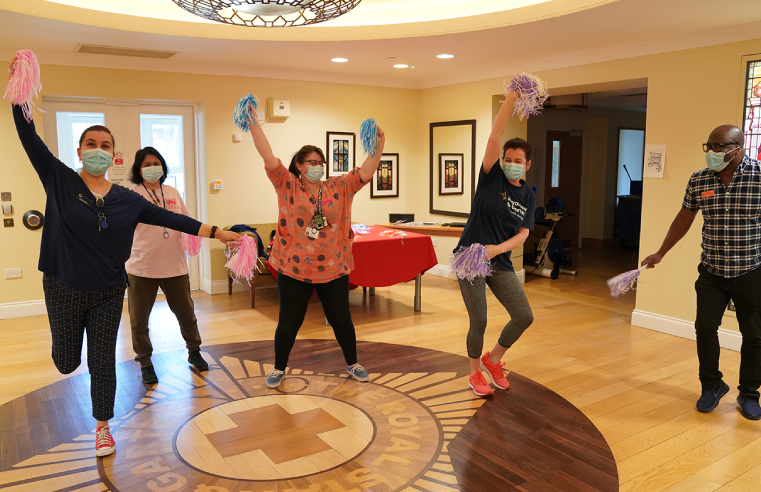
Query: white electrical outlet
point(12, 273)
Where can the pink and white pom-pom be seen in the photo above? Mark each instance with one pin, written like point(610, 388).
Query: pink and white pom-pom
point(25, 83)
point(191, 245)
point(532, 92)
point(242, 259)
point(620, 284)
point(470, 262)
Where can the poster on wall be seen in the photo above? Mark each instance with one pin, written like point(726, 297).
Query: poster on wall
point(118, 173)
point(655, 160)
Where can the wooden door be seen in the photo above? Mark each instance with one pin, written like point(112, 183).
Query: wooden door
point(563, 180)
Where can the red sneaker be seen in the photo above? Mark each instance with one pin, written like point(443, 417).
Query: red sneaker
point(495, 372)
point(104, 443)
point(479, 385)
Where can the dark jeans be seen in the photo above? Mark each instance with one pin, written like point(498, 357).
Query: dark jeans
point(714, 293)
point(294, 301)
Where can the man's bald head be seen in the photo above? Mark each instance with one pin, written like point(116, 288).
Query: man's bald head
point(727, 133)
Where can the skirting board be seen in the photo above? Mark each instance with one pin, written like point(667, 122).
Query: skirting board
point(446, 272)
point(22, 309)
point(728, 339)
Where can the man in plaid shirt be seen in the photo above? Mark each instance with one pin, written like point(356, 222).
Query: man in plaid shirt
point(728, 193)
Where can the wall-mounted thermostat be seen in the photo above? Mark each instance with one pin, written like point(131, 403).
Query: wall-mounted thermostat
point(278, 109)
point(218, 184)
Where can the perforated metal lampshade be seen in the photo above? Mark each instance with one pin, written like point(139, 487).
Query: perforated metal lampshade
point(268, 13)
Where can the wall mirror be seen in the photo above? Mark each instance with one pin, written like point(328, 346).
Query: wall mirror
point(452, 167)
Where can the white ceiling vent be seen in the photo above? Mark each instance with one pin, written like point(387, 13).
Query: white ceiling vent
point(112, 50)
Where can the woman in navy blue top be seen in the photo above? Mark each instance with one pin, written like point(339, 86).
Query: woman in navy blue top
point(87, 238)
point(501, 216)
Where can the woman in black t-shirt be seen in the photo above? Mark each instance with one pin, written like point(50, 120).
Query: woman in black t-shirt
point(501, 217)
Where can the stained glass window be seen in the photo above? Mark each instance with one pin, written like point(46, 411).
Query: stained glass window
point(752, 121)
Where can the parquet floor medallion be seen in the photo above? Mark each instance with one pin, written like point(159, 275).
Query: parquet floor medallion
point(416, 426)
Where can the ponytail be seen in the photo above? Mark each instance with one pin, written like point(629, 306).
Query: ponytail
point(300, 156)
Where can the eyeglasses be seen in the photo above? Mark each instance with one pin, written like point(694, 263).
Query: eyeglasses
point(716, 147)
point(314, 163)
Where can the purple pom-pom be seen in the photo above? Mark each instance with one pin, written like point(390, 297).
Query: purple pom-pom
point(469, 262)
point(532, 92)
point(620, 284)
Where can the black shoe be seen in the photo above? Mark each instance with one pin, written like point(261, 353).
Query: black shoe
point(195, 360)
point(749, 407)
point(710, 398)
point(149, 375)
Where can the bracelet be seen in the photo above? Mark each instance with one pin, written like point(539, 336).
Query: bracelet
point(213, 231)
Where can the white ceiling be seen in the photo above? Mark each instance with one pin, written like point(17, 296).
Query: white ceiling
point(621, 29)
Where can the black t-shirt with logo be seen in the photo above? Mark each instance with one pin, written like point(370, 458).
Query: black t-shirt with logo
point(499, 210)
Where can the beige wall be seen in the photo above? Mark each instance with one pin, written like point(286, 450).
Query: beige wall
point(247, 197)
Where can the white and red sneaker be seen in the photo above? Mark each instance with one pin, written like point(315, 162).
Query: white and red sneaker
point(104, 443)
point(494, 371)
point(479, 385)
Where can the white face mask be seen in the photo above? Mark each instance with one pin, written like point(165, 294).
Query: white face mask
point(315, 173)
point(96, 161)
point(152, 173)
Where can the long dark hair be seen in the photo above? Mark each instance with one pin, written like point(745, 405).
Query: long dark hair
point(302, 154)
point(140, 156)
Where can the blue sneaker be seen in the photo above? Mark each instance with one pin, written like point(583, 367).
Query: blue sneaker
point(710, 398)
point(275, 378)
point(358, 372)
point(749, 407)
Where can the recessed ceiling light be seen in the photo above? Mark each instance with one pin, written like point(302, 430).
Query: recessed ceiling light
point(401, 65)
point(340, 60)
point(444, 56)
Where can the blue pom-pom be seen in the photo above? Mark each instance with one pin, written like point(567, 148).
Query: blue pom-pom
point(368, 135)
point(242, 115)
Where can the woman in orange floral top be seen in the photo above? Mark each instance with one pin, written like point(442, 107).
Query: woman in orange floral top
point(312, 247)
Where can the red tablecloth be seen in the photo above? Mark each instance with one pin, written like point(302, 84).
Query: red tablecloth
point(382, 261)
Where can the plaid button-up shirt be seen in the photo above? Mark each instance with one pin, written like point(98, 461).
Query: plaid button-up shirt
point(731, 218)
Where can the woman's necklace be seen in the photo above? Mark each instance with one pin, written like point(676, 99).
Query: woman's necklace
point(156, 202)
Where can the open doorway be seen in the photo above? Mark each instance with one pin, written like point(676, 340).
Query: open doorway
point(582, 141)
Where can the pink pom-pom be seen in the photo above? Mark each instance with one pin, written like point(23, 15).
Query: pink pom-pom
point(25, 83)
point(242, 259)
point(471, 262)
point(620, 284)
point(191, 245)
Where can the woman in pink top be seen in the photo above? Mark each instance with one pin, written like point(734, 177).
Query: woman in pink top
point(158, 260)
point(312, 247)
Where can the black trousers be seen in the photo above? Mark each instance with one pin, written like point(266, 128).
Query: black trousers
point(713, 294)
point(71, 312)
point(294, 301)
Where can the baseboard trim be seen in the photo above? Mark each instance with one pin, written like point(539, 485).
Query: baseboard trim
point(445, 271)
point(23, 309)
point(728, 339)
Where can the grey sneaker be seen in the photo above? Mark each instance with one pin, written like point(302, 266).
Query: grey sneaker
point(275, 378)
point(358, 372)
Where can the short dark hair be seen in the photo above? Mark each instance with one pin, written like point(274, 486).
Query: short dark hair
point(518, 143)
point(302, 154)
point(96, 128)
point(140, 156)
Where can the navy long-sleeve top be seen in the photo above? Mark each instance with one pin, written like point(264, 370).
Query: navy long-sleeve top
point(73, 249)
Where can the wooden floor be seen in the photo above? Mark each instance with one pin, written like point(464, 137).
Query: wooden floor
point(637, 387)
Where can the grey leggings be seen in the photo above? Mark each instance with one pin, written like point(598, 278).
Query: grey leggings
point(507, 289)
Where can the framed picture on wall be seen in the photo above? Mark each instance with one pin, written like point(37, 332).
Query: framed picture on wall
point(450, 174)
point(385, 182)
point(339, 153)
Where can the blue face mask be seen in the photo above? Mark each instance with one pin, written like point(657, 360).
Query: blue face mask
point(152, 173)
point(513, 171)
point(715, 160)
point(96, 161)
point(315, 173)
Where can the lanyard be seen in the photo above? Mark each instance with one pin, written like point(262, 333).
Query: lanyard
point(156, 202)
point(318, 205)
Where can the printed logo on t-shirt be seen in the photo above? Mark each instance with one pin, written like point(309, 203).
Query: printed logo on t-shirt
point(504, 196)
point(516, 208)
point(171, 201)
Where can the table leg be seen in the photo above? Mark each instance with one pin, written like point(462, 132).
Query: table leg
point(372, 291)
point(418, 288)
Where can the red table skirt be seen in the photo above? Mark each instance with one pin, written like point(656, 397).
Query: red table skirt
point(383, 261)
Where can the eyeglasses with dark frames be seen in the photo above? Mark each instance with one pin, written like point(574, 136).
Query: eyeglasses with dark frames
point(314, 163)
point(716, 147)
